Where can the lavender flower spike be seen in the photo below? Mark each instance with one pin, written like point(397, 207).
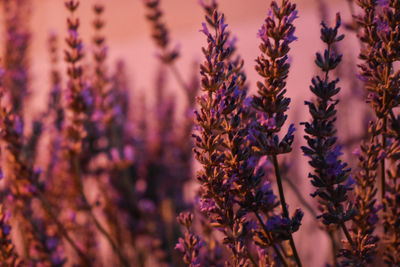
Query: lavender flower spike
point(331, 176)
point(381, 52)
point(228, 182)
point(271, 103)
point(160, 31)
point(191, 244)
point(365, 221)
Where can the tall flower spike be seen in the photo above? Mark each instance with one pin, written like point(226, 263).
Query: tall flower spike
point(54, 104)
point(270, 103)
point(381, 36)
point(76, 110)
point(16, 50)
point(365, 221)
point(79, 103)
point(160, 32)
point(55, 111)
point(191, 244)
point(99, 55)
point(330, 175)
point(390, 36)
point(220, 141)
point(76, 100)
point(160, 35)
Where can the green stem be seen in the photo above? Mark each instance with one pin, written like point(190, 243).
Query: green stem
point(284, 208)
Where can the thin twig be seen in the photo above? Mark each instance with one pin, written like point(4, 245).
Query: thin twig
point(178, 76)
point(347, 234)
point(382, 164)
point(284, 208)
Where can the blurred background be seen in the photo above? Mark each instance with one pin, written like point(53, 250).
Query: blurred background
point(128, 35)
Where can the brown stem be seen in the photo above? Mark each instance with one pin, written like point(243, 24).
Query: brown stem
point(382, 163)
point(347, 234)
point(284, 207)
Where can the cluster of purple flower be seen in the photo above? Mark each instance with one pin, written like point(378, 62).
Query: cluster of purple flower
point(116, 183)
point(227, 197)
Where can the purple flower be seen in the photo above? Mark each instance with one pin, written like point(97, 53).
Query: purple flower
point(373, 218)
point(180, 246)
point(52, 243)
point(207, 205)
point(253, 135)
point(262, 33)
point(269, 199)
point(292, 17)
point(88, 96)
point(332, 156)
point(221, 25)
point(276, 223)
point(270, 103)
point(265, 121)
point(18, 126)
point(382, 3)
point(6, 229)
point(290, 37)
point(204, 5)
point(350, 182)
point(204, 29)
point(291, 130)
point(382, 26)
